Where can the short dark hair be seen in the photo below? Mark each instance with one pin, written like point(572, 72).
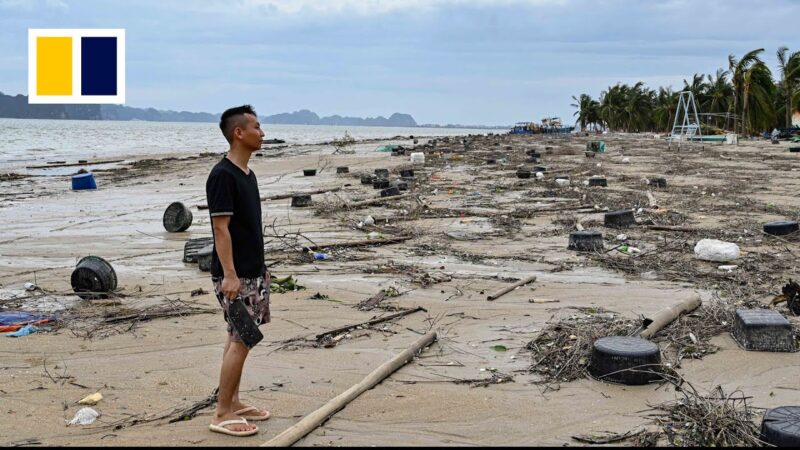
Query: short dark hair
point(232, 117)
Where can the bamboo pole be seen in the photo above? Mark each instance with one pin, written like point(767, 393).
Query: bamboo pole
point(508, 289)
point(310, 422)
point(375, 201)
point(664, 317)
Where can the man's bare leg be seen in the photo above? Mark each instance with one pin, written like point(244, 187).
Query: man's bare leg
point(231, 373)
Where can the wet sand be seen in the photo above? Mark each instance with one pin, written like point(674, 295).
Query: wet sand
point(167, 363)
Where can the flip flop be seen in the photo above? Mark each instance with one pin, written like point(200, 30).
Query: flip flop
point(220, 428)
point(241, 413)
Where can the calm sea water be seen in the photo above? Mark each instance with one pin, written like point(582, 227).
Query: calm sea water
point(25, 142)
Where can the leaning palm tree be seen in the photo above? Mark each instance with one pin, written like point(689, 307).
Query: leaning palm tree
point(790, 78)
point(739, 70)
point(586, 110)
point(758, 111)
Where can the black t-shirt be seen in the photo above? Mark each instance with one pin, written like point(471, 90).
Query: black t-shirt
point(231, 192)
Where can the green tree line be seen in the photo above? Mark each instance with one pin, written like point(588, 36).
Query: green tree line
point(744, 98)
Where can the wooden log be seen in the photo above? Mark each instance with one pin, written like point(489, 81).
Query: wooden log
point(671, 228)
point(362, 243)
point(289, 195)
point(508, 289)
point(664, 317)
point(652, 199)
point(316, 418)
point(368, 323)
point(376, 201)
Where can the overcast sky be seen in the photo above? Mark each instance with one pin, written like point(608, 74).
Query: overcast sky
point(442, 61)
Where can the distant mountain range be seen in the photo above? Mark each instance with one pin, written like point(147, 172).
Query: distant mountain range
point(17, 107)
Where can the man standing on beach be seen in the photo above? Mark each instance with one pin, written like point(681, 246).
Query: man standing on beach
point(237, 265)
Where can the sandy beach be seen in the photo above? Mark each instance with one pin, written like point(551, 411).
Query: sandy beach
point(474, 228)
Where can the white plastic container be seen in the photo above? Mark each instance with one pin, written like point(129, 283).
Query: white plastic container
point(418, 158)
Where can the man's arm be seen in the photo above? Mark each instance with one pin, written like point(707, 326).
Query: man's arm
point(224, 247)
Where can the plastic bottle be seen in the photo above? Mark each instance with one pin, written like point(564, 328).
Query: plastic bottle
point(321, 256)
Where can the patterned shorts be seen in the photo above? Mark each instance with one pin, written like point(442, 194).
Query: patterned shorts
point(254, 293)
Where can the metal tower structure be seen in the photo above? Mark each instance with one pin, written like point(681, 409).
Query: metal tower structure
point(686, 113)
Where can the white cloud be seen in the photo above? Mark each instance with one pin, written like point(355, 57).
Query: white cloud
point(374, 7)
point(32, 5)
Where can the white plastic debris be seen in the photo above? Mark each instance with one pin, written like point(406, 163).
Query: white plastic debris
point(418, 158)
point(626, 160)
point(84, 416)
point(562, 182)
point(30, 286)
point(728, 268)
point(539, 175)
point(622, 237)
point(715, 250)
point(585, 182)
point(369, 220)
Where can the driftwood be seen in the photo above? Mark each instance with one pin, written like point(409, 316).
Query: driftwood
point(664, 317)
point(652, 199)
point(671, 228)
point(362, 243)
point(508, 289)
point(292, 194)
point(323, 336)
point(372, 302)
point(376, 201)
point(316, 418)
point(91, 163)
point(289, 195)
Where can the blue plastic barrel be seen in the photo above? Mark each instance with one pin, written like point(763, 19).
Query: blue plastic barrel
point(83, 181)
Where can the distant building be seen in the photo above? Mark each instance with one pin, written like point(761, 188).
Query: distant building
point(796, 119)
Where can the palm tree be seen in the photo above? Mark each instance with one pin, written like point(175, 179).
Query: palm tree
point(758, 112)
point(665, 107)
point(739, 70)
point(587, 110)
point(790, 75)
point(718, 95)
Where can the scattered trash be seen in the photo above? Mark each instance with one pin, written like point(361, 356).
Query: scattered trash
point(715, 250)
point(562, 182)
point(91, 400)
point(728, 268)
point(418, 158)
point(84, 416)
point(622, 237)
point(499, 348)
point(199, 291)
point(283, 285)
point(626, 160)
point(321, 256)
point(30, 286)
point(24, 331)
point(83, 181)
point(763, 330)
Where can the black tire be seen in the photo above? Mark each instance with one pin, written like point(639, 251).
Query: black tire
point(192, 246)
point(539, 169)
point(301, 201)
point(523, 173)
point(781, 227)
point(407, 173)
point(585, 241)
point(343, 169)
point(781, 427)
point(619, 219)
point(794, 149)
point(309, 172)
point(658, 182)
point(625, 360)
point(491, 161)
